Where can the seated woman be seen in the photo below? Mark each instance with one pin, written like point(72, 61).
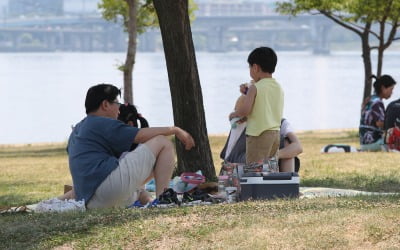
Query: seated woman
point(235, 146)
point(373, 115)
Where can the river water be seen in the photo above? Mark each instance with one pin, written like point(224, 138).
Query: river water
point(42, 94)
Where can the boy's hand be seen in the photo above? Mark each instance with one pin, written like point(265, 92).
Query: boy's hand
point(243, 88)
point(232, 115)
point(244, 119)
point(185, 138)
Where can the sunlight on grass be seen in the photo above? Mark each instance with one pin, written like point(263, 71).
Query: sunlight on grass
point(30, 173)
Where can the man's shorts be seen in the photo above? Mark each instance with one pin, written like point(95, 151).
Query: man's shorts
point(121, 187)
point(262, 147)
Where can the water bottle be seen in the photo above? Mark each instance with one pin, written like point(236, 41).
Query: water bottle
point(265, 167)
point(222, 183)
point(273, 164)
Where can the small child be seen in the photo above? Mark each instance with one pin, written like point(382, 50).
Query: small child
point(262, 105)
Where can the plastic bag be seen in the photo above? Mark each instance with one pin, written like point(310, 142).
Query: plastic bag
point(187, 181)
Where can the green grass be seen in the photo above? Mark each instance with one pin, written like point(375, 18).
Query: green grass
point(30, 173)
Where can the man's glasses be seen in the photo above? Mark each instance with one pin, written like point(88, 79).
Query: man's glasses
point(118, 103)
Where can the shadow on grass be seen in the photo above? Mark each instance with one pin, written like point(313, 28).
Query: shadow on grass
point(15, 200)
point(33, 153)
point(374, 183)
point(44, 231)
point(18, 193)
point(47, 230)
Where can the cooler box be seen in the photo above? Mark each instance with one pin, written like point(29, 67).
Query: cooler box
point(260, 186)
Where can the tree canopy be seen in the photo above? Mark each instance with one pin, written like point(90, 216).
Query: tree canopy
point(118, 10)
point(136, 16)
point(374, 21)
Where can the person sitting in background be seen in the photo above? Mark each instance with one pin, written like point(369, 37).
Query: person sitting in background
point(373, 114)
point(128, 114)
point(235, 147)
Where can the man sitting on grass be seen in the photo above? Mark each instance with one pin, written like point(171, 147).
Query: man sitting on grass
point(100, 178)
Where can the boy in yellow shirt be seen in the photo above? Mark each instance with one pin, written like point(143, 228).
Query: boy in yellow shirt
point(263, 107)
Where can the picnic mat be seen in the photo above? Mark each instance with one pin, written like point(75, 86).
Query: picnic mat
point(56, 205)
point(51, 205)
point(314, 192)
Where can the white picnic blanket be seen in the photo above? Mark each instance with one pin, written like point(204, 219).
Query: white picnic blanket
point(56, 205)
point(314, 192)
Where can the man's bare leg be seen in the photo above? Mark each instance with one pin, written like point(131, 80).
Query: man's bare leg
point(163, 150)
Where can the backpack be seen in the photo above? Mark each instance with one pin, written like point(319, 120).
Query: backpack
point(393, 138)
point(338, 148)
point(391, 114)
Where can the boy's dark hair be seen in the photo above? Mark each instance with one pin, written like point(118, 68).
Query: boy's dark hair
point(264, 57)
point(98, 93)
point(384, 80)
point(128, 112)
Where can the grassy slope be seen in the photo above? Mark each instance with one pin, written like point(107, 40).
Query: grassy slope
point(33, 173)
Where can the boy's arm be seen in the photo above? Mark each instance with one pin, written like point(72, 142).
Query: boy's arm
point(145, 134)
point(246, 103)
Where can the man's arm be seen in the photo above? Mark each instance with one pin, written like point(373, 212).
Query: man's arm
point(146, 134)
point(291, 150)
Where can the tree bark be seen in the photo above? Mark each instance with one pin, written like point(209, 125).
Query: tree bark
point(366, 55)
point(131, 51)
point(186, 94)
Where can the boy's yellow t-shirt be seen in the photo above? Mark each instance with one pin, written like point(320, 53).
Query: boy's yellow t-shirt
point(267, 109)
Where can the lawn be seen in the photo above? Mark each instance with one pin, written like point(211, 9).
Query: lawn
point(30, 173)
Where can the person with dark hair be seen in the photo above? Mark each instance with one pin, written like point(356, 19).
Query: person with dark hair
point(262, 105)
point(100, 177)
point(373, 114)
point(290, 147)
point(128, 114)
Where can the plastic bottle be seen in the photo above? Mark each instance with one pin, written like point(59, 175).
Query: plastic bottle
point(222, 183)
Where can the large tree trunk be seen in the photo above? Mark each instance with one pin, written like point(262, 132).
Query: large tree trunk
point(131, 52)
point(187, 99)
point(366, 55)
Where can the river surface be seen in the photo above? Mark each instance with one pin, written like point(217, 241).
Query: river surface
point(42, 94)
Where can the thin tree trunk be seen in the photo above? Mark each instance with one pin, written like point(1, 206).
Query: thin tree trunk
point(381, 48)
point(366, 55)
point(187, 99)
point(131, 52)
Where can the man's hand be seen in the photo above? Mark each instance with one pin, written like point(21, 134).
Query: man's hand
point(185, 138)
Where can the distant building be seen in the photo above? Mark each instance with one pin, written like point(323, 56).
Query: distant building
point(17, 8)
point(81, 6)
point(234, 8)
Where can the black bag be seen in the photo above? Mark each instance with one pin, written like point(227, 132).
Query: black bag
point(391, 114)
